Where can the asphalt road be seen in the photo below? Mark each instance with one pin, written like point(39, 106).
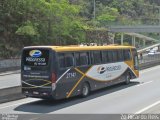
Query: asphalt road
point(141, 96)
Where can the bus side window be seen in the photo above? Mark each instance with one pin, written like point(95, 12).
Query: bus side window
point(69, 60)
point(127, 55)
point(104, 56)
point(77, 60)
point(61, 60)
point(97, 57)
point(84, 58)
point(81, 58)
point(115, 55)
point(65, 60)
point(120, 55)
point(110, 56)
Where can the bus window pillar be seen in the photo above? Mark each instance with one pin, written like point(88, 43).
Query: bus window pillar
point(113, 39)
point(122, 38)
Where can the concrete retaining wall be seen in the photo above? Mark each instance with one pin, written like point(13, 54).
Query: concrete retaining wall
point(9, 64)
point(10, 94)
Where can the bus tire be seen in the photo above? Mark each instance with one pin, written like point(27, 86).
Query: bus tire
point(127, 78)
point(85, 90)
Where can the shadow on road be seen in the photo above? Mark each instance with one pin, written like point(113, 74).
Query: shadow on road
point(47, 106)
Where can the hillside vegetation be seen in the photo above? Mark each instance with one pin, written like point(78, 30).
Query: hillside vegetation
point(63, 22)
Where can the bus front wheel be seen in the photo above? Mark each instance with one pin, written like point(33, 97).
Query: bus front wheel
point(127, 78)
point(85, 90)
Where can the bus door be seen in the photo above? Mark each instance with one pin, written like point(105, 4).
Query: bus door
point(135, 59)
point(36, 75)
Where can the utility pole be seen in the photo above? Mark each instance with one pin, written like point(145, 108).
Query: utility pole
point(94, 18)
point(94, 9)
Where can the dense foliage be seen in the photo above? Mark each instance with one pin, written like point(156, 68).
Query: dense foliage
point(61, 22)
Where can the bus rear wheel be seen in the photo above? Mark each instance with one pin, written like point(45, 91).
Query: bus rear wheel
point(127, 78)
point(85, 90)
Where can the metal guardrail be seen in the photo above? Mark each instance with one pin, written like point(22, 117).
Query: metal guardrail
point(146, 58)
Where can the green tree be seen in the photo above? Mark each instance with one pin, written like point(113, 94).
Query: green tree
point(39, 22)
point(106, 14)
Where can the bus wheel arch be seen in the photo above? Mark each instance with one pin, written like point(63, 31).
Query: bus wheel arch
point(127, 78)
point(85, 89)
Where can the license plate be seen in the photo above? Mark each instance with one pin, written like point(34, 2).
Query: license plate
point(36, 93)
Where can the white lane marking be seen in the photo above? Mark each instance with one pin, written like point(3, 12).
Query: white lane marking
point(144, 83)
point(148, 107)
point(17, 104)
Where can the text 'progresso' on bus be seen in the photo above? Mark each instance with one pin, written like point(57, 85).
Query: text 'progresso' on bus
point(59, 72)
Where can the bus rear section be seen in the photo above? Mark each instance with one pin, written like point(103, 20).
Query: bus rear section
point(37, 77)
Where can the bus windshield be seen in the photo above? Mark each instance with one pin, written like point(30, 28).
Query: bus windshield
point(35, 59)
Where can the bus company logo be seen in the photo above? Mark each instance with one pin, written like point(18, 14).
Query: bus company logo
point(35, 53)
point(101, 69)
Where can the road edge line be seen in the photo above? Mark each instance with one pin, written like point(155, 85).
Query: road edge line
point(148, 107)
